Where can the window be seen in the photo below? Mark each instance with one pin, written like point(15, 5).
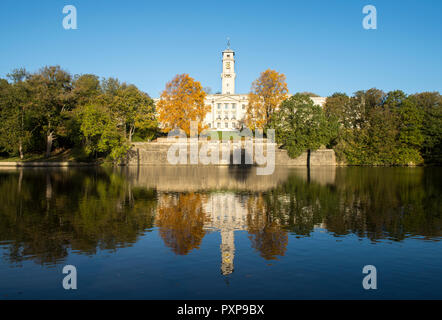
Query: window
point(219, 105)
point(219, 125)
point(244, 107)
point(233, 105)
point(226, 105)
point(210, 125)
point(227, 125)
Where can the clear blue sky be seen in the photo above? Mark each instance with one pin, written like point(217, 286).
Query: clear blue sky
point(320, 45)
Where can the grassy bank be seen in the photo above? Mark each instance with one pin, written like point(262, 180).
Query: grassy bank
point(69, 155)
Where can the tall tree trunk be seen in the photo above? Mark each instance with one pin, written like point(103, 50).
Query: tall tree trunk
point(131, 133)
point(49, 140)
point(20, 149)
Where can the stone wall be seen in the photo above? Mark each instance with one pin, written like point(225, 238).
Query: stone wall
point(155, 153)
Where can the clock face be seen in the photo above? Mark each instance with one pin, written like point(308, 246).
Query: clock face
point(227, 65)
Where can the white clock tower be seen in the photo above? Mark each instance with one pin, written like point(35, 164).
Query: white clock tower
point(228, 76)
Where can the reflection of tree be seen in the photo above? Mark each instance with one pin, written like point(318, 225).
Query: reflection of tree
point(264, 229)
point(389, 203)
point(85, 210)
point(370, 202)
point(181, 218)
point(44, 214)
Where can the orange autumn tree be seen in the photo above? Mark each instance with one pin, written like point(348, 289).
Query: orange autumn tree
point(181, 102)
point(267, 92)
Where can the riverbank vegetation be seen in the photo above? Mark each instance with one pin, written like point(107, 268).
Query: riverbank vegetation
point(378, 128)
point(369, 128)
point(51, 112)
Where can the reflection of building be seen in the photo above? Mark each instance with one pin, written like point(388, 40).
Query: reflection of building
point(227, 214)
point(184, 218)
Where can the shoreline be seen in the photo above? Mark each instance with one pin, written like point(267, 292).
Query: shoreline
point(18, 164)
point(47, 164)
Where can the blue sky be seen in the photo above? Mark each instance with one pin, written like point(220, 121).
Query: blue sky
point(319, 45)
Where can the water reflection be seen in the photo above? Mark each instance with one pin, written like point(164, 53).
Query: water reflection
point(46, 213)
point(181, 219)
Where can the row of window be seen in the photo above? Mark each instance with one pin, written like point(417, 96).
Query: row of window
point(226, 117)
point(224, 125)
point(226, 106)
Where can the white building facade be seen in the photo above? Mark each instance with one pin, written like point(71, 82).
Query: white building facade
point(228, 109)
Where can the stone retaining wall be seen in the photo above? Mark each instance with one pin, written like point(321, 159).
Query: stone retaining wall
point(155, 153)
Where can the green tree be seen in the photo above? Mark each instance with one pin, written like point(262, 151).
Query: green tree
point(411, 138)
point(51, 98)
point(339, 105)
point(349, 143)
point(300, 125)
point(14, 113)
point(132, 108)
point(136, 110)
point(101, 133)
point(381, 137)
point(377, 128)
point(85, 88)
point(431, 104)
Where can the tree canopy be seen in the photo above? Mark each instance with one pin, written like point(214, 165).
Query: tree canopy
point(267, 93)
point(181, 102)
point(300, 125)
point(393, 128)
point(51, 109)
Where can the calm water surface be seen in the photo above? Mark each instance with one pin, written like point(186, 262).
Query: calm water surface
point(220, 233)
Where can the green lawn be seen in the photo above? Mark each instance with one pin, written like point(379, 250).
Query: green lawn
point(228, 134)
point(56, 156)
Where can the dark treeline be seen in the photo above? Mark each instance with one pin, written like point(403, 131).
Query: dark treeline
point(52, 110)
point(377, 128)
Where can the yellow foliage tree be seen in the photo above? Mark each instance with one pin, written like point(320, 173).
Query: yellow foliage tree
point(181, 102)
point(267, 92)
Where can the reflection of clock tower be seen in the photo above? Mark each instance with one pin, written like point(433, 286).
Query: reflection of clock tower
point(228, 76)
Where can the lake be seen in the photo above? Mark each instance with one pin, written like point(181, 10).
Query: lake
point(220, 232)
